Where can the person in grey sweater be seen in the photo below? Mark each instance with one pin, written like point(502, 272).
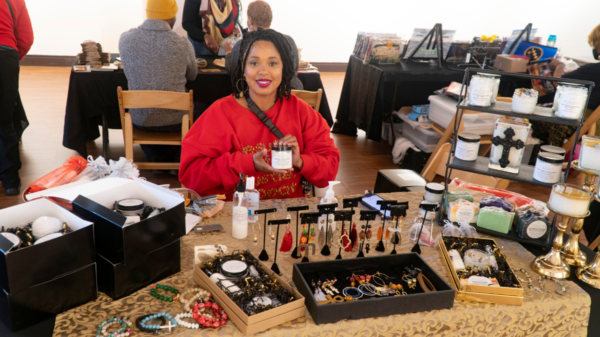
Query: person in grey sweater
point(260, 16)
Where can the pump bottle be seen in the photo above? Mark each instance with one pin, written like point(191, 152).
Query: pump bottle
point(329, 198)
point(252, 197)
point(239, 218)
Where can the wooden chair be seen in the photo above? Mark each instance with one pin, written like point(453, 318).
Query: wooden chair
point(589, 127)
point(312, 98)
point(154, 99)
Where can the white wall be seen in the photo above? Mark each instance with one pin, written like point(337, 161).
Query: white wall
point(326, 29)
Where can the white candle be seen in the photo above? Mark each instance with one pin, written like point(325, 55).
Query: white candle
point(571, 101)
point(590, 153)
point(569, 199)
point(496, 79)
point(480, 90)
point(524, 101)
point(521, 133)
point(239, 228)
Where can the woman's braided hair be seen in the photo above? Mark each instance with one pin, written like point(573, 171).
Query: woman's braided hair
point(285, 52)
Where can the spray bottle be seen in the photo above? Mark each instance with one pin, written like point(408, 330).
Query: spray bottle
point(239, 228)
point(329, 198)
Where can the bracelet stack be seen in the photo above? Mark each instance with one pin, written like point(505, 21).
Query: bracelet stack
point(170, 322)
point(199, 294)
point(180, 321)
point(206, 321)
point(138, 323)
point(167, 288)
point(125, 330)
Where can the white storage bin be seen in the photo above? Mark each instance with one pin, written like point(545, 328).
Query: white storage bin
point(443, 108)
point(424, 138)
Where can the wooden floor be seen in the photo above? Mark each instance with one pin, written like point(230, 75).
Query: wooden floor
point(44, 95)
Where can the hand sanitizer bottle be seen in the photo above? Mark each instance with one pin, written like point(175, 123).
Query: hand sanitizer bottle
point(252, 197)
point(329, 198)
point(239, 218)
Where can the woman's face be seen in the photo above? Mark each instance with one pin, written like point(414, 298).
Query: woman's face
point(263, 69)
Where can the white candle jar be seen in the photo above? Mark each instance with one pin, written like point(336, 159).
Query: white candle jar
point(553, 149)
point(571, 101)
point(524, 101)
point(589, 158)
point(434, 192)
point(548, 167)
point(496, 79)
point(481, 88)
point(513, 134)
point(467, 146)
point(281, 157)
point(570, 200)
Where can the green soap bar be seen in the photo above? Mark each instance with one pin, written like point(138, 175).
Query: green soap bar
point(496, 219)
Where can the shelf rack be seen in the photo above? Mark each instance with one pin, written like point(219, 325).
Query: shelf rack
point(525, 175)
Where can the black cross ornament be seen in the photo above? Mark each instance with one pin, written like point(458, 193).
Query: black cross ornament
point(507, 143)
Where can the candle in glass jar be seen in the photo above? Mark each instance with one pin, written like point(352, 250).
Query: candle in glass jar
point(496, 79)
point(515, 155)
point(571, 101)
point(570, 200)
point(480, 90)
point(524, 100)
point(590, 153)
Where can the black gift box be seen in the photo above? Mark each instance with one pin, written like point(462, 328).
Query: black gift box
point(34, 304)
point(442, 298)
point(122, 279)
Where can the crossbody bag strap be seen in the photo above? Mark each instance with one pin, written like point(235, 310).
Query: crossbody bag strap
point(12, 15)
point(263, 118)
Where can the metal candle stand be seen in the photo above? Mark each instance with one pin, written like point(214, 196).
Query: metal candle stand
point(297, 209)
point(428, 208)
point(277, 223)
point(397, 211)
point(385, 206)
point(308, 218)
point(366, 215)
point(263, 255)
point(326, 209)
point(343, 216)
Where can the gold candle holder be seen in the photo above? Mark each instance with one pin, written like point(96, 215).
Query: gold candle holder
point(590, 176)
point(590, 273)
point(553, 264)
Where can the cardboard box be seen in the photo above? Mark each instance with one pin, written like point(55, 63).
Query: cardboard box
point(511, 64)
point(478, 293)
point(250, 325)
point(121, 279)
point(442, 298)
point(42, 301)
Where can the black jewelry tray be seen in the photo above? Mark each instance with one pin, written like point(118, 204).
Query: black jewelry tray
point(414, 301)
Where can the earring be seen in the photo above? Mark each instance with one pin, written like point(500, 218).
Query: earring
point(289, 216)
point(237, 84)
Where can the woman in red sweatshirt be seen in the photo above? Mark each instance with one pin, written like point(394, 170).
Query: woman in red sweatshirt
point(229, 139)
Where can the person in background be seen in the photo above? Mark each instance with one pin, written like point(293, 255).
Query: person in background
point(156, 58)
point(16, 38)
point(260, 16)
point(555, 134)
point(209, 22)
point(230, 140)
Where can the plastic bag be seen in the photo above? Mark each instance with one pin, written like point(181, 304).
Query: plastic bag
point(518, 199)
point(96, 169)
point(450, 230)
point(426, 237)
point(123, 168)
point(71, 168)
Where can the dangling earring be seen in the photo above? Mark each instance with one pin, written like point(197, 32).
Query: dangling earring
point(289, 216)
point(255, 237)
point(237, 84)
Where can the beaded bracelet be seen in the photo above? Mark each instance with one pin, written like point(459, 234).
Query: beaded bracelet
point(121, 332)
point(138, 323)
point(219, 319)
point(180, 321)
point(199, 294)
point(167, 288)
point(171, 323)
point(562, 285)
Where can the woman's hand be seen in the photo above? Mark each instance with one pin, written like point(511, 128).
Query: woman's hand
point(290, 140)
point(227, 46)
point(211, 44)
point(261, 165)
point(557, 67)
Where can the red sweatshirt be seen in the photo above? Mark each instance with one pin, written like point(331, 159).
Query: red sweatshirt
point(220, 146)
point(17, 34)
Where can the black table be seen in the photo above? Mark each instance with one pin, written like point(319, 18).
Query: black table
point(371, 92)
point(92, 100)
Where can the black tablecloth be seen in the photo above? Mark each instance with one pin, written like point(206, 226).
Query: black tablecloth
point(94, 94)
point(368, 92)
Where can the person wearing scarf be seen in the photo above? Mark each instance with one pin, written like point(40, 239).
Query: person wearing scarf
point(209, 22)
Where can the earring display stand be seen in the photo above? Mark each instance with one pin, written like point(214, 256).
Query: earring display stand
point(308, 218)
point(398, 212)
point(366, 215)
point(264, 256)
point(343, 216)
point(326, 209)
point(385, 206)
point(428, 208)
point(295, 254)
point(275, 267)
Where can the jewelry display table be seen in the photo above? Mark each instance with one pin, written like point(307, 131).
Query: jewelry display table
point(540, 314)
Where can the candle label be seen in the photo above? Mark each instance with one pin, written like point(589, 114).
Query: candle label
point(480, 93)
point(262, 300)
point(465, 213)
point(537, 229)
point(546, 172)
point(480, 281)
point(570, 106)
point(281, 159)
point(234, 266)
point(466, 151)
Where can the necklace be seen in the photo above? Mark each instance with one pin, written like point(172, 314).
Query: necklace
point(529, 282)
point(562, 285)
point(167, 288)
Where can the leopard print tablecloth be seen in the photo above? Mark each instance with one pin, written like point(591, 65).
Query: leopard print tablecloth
point(545, 314)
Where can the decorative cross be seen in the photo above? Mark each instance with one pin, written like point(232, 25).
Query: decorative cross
point(168, 326)
point(507, 143)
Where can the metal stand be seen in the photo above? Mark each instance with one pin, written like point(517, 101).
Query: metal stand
point(343, 216)
point(385, 206)
point(275, 267)
point(436, 32)
point(527, 30)
point(399, 212)
point(351, 202)
point(326, 209)
point(366, 215)
point(295, 254)
point(264, 256)
point(308, 218)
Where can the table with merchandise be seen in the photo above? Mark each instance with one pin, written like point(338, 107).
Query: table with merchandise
point(184, 305)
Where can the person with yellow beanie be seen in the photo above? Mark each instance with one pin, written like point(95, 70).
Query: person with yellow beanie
point(156, 58)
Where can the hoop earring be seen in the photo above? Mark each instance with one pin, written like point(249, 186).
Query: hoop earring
point(237, 84)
